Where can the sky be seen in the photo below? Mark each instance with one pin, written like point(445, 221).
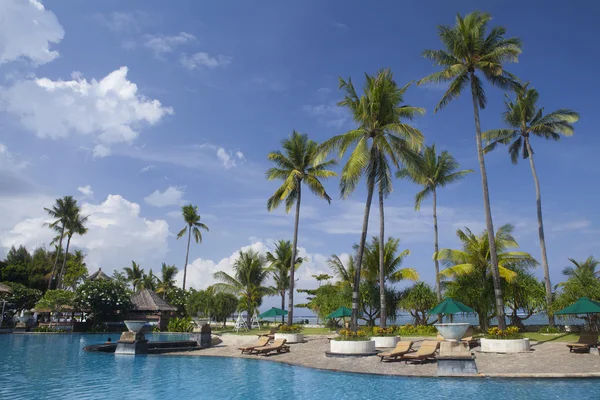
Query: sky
point(138, 107)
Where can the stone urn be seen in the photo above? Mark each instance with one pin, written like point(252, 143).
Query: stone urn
point(132, 342)
point(134, 326)
point(452, 331)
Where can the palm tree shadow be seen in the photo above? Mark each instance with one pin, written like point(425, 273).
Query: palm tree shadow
point(550, 339)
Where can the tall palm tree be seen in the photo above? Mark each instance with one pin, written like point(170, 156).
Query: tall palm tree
point(344, 273)
point(167, 281)
point(281, 261)
point(525, 120)
point(297, 164)
point(134, 275)
point(583, 271)
point(380, 137)
point(75, 225)
point(61, 211)
point(392, 262)
point(431, 171)
point(471, 266)
point(193, 226)
point(148, 281)
point(248, 281)
point(469, 51)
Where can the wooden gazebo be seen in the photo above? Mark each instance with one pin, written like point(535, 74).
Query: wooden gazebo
point(147, 305)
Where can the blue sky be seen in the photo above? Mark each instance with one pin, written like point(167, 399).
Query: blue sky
point(145, 106)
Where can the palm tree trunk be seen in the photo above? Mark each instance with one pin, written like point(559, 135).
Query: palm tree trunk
point(438, 288)
point(293, 262)
point(62, 234)
point(187, 253)
point(248, 315)
point(488, 213)
point(283, 305)
point(382, 305)
point(62, 269)
point(361, 249)
point(538, 203)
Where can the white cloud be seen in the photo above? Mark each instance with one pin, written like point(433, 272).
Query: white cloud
point(571, 225)
point(125, 26)
point(239, 155)
point(117, 233)
point(160, 44)
point(227, 157)
point(110, 110)
point(202, 59)
point(8, 161)
point(172, 196)
point(328, 114)
point(86, 191)
point(147, 168)
point(27, 31)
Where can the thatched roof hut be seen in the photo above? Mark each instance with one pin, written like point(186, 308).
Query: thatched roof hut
point(147, 301)
point(5, 288)
point(99, 275)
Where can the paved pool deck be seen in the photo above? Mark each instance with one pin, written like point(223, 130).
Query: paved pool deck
point(546, 360)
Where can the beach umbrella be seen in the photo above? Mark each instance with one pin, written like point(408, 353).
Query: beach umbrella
point(340, 313)
point(273, 312)
point(582, 306)
point(450, 306)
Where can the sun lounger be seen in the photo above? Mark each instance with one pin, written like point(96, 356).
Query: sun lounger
point(277, 346)
point(270, 334)
point(261, 342)
point(401, 349)
point(586, 341)
point(426, 351)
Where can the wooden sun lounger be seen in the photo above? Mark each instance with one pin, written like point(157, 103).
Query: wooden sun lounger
point(426, 351)
point(270, 334)
point(277, 346)
point(401, 349)
point(586, 341)
point(261, 342)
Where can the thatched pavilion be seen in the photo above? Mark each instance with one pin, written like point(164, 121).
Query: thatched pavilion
point(148, 306)
point(99, 275)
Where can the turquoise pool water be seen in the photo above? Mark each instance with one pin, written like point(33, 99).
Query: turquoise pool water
point(55, 366)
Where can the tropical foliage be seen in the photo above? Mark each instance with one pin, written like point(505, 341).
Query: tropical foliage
point(297, 164)
point(180, 325)
point(107, 300)
point(418, 300)
point(193, 226)
point(280, 261)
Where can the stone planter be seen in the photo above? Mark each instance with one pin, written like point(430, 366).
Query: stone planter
point(352, 347)
point(134, 326)
point(385, 341)
point(290, 337)
point(504, 346)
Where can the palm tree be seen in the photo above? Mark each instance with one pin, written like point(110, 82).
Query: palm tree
point(280, 262)
point(134, 274)
point(297, 164)
point(380, 137)
point(431, 171)
point(583, 271)
point(391, 265)
point(167, 281)
point(344, 273)
point(61, 212)
point(525, 119)
point(248, 282)
point(75, 225)
point(468, 51)
point(471, 267)
point(193, 226)
point(148, 281)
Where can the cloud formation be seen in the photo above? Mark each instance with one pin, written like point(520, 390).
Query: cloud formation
point(110, 110)
point(161, 44)
point(86, 191)
point(204, 60)
point(172, 196)
point(28, 31)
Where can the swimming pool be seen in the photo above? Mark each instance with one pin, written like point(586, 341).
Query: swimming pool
point(55, 366)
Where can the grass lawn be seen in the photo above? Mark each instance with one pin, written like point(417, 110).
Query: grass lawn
point(563, 337)
point(306, 331)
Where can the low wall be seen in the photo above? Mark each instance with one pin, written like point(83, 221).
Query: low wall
point(504, 346)
point(385, 341)
point(352, 347)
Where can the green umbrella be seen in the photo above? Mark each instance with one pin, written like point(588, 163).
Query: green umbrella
point(273, 312)
point(450, 306)
point(581, 306)
point(340, 313)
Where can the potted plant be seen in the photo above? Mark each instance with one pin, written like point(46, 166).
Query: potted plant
point(291, 333)
point(352, 343)
point(504, 341)
point(385, 337)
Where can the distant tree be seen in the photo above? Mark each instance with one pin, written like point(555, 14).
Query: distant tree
point(134, 275)
point(281, 261)
point(193, 226)
point(107, 300)
point(22, 297)
point(322, 277)
point(418, 300)
point(149, 281)
point(56, 300)
point(524, 294)
point(76, 271)
point(225, 305)
point(167, 280)
point(74, 225)
point(583, 280)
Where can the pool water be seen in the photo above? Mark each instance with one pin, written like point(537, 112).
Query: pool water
point(55, 366)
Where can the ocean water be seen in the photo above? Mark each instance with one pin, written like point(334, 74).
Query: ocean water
point(53, 366)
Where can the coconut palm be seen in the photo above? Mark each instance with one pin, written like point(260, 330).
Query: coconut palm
point(391, 265)
point(248, 281)
point(526, 120)
point(280, 262)
point(193, 226)
point(63, 210)
point(344, 273)
point(583, 270)
point(297, 164)
point(468, 52)
point(380, 138)
point(134, 275)
point(148, 281)
point(75, 225)
point(167, 281)
point(431, 171)
point(470, 268)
